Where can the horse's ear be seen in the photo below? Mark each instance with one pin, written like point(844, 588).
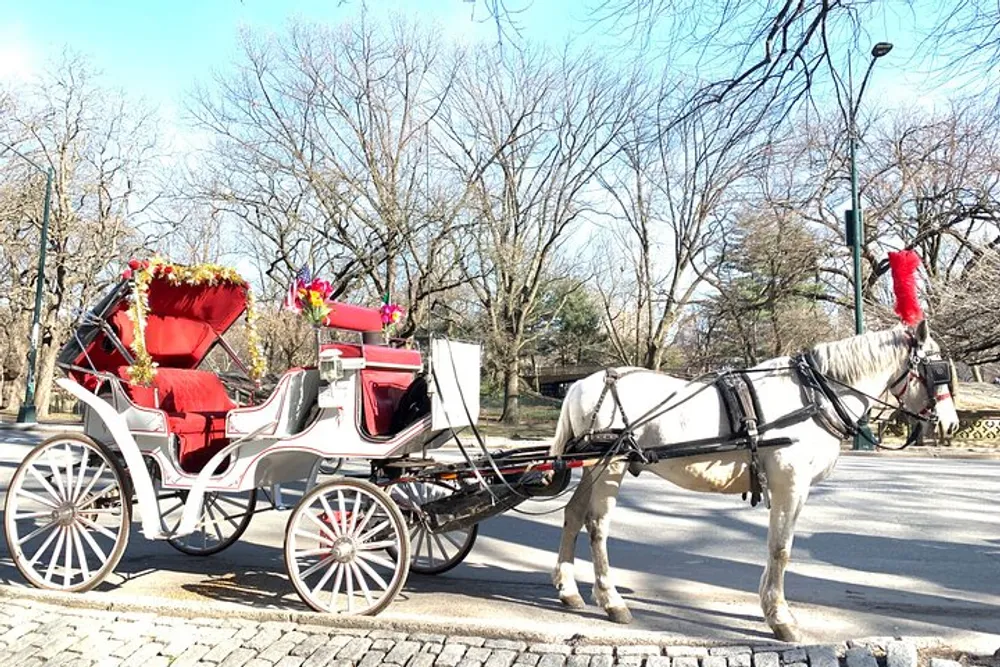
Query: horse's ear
point(923, 332)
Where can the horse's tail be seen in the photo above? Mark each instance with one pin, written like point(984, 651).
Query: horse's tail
point(564, 428)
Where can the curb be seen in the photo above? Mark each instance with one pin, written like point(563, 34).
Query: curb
point(458, 627)
point(451, 628)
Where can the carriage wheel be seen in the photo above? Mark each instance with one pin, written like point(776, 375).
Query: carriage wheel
point(224, 519)
point(346, 548)
point(431, 553)
point(68, 514)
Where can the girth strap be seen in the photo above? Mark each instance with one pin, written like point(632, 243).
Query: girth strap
point(743, 410)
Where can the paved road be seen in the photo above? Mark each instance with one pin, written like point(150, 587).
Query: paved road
point(888, 547)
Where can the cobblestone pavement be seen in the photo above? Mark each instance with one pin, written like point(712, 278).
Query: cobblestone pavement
point(34, 634)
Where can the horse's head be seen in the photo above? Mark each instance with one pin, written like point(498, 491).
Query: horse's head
point(924, 387)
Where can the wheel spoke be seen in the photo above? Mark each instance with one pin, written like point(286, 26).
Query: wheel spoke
point(322, 526)
point(97, 496)
point(316, 567)
point(360, 563)
point(214, 522)
point(81, 477)
point(448, 536)
point(354, 514)
point(364, 520)
point(92, 482)
point(349, 575)
point(97, 528)
point(374, 531)
point(342, 508)
point(68, 572)
point(56, 499)
point(240, 506)
point(420, 541)
point(84, 570)
point(325, 578)
point(376, 559)
point(45, 545)
point(378, 546)
point(36, 532)
point(308, 553)
point(362, 583)
point(31, 515)
point(440, 545)
point(337, 582)
point(330, 515)
point(57, 551)
point(93, 544)
point(56, 476)
point(69, 471)
point(299, 532)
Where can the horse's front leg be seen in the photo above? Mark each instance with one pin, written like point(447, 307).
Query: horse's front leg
point(564, 577)
point(603, 498)
point(787, 498)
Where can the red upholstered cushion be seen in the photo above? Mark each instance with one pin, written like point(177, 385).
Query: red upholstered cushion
point(196, 404)
point(379, 355)
point(192, 391)
point(381, 391)
point(353, 318)
point(200, 435)
point(180, 390)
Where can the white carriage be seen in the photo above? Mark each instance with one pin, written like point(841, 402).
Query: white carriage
point(194, 462)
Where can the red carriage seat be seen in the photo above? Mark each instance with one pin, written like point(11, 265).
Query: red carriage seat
point(387, 374)
point(195, 403)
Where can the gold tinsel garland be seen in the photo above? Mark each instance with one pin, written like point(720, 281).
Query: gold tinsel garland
point(142, 274)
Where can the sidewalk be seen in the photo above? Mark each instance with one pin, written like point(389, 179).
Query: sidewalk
point(35, 633)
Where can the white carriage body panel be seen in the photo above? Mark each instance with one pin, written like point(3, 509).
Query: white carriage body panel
point(454, 384)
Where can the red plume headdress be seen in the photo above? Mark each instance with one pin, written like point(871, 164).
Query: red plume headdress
point(904, 265)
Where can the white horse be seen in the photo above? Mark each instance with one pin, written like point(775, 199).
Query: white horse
point(858, 368)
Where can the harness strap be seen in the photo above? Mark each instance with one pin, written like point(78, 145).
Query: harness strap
point(809, 373)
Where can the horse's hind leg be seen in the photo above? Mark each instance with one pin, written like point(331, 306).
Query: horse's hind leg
point(563, 577)
point(603, 499)
point(787, 499)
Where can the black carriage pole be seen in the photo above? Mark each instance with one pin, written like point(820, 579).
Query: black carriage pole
point(26, 415)
point(855, 224)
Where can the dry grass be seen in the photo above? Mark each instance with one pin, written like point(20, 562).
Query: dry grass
point(538, 418)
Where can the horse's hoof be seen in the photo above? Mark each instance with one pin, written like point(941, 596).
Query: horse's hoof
point(573, 601)
point(787, 632)
point(620, 615)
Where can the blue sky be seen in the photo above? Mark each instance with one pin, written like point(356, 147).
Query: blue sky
point(160, 50)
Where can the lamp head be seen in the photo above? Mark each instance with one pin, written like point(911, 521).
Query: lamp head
point(881, 49)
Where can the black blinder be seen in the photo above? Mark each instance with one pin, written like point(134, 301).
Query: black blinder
point(936, 373)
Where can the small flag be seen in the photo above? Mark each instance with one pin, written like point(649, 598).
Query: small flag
point(292, 301)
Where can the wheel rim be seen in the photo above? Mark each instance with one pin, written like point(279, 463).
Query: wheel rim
point(224, 518)
point(343, 548)
point(64, 519)
point(430, 553)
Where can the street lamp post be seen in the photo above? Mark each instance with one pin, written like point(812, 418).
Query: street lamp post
point(855, 221)
point(26, 415)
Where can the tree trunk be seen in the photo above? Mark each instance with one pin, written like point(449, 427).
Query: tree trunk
point(43, 384)
point(511, 394)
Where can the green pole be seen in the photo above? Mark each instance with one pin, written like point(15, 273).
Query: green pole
point(26, 415)
point(859, 230)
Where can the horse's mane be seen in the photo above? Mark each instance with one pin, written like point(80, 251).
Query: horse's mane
point(854, 359)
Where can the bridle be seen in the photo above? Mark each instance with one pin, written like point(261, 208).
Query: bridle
point(933, 373)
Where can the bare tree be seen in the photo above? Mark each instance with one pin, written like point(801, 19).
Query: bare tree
point(673, 189)
point(529, 133)
point(101, 150)
point(322, 151)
